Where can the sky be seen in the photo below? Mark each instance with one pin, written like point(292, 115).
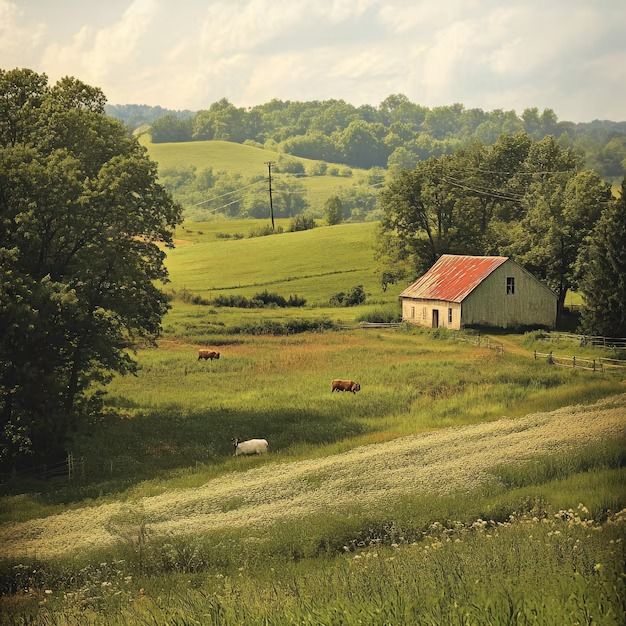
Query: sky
point(568, 55)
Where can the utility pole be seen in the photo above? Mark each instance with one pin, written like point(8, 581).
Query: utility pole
point(269, 171)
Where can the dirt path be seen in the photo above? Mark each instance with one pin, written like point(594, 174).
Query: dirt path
point(439, 462)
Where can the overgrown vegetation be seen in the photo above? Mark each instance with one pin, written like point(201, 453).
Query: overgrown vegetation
point(355, 296)
point(259, 300)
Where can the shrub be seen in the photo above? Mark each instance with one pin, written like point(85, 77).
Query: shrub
point(264, 231)
point(317, 169)
point(288, 327)
point(221, 235)
point(259, 300)
point(355, 296)
point(302, 222)
point(189, 297)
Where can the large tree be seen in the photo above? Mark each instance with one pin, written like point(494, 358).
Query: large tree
point(81, 213)
point(603, 266)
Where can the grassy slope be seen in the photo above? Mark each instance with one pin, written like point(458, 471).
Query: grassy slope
point(248, 161)
point(314, 263)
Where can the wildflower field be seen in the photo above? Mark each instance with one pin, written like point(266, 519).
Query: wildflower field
point(459, 486)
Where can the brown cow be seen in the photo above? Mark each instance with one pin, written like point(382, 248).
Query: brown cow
point(344, 385)
point(208, 354)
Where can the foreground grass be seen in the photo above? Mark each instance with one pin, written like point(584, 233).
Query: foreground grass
point(487, 556)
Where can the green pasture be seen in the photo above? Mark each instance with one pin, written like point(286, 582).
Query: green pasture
point(249, 161)
point(315, 264)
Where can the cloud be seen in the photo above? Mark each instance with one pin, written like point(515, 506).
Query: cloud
point(564, 54)
point(18, 43)
point(97, 55)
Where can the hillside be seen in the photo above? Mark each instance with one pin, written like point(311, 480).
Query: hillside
point(314, 263)
point(247, 161)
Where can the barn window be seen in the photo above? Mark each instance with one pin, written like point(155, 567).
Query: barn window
point(424, 313)
point(412, 312)
point(449, 316)
point(510, 285)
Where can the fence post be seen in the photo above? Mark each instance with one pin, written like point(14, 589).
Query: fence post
point(535, 355)
point(594, 365)
point(574, 361)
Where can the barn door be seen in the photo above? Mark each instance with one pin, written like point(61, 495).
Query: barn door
point(435, 318)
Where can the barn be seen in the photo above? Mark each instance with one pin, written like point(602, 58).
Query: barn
point(459, 291)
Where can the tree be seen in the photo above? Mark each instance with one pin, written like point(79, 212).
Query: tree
point(171, 128)
point(81, 213)
point(424, 213)
point(333, 210)
point(560, 208)
point(603, 265)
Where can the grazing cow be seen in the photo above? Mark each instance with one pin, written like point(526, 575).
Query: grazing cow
point(344, 385)
point(208, 354)
point(252, 446)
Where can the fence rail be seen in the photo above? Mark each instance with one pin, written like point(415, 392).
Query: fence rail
point(588, 340)
point(482, 342)
point(600, 364)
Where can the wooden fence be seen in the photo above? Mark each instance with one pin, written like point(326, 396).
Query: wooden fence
point(600, 364)
point(588, 340)
point(481, 342)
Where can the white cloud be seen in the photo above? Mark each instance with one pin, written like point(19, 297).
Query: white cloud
point(480, 52)
point(97, 55)
point(18, 42)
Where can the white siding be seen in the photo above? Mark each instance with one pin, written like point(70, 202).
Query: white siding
point(532, 304)
point(423, 310)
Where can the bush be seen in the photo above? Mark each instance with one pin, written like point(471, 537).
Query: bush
point(355, 296)
point(189, 297)
point(317, 169)
point(289, 166)
point(264, 231)
point(228, 235)
point(302, 222)
point(288, 327)
point(259, 301)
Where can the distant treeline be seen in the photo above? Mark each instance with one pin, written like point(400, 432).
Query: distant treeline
point(134, 115)
point(397, 133)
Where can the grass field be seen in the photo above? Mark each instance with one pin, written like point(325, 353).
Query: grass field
point(459, 486)
point(249, 161)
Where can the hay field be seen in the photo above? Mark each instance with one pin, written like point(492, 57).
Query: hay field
point(454, 460)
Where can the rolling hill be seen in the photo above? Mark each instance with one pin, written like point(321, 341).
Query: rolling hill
point(249, 161)
point(314, 263)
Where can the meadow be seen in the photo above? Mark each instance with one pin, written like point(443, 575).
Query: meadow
point(459, 486)
point(248, 161)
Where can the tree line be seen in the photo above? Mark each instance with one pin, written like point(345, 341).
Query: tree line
point(396, 134)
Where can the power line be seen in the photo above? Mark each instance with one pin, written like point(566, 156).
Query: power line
point(229, 193)
point(490, 193)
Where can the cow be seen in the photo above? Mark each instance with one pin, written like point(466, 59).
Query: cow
point(208, 354)
point(252, 446)
point(344, 385)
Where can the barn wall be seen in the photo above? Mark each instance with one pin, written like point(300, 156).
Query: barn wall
point(420, 312)
point(532, 304)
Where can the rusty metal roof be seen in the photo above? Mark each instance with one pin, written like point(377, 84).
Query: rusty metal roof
point(453, 277)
